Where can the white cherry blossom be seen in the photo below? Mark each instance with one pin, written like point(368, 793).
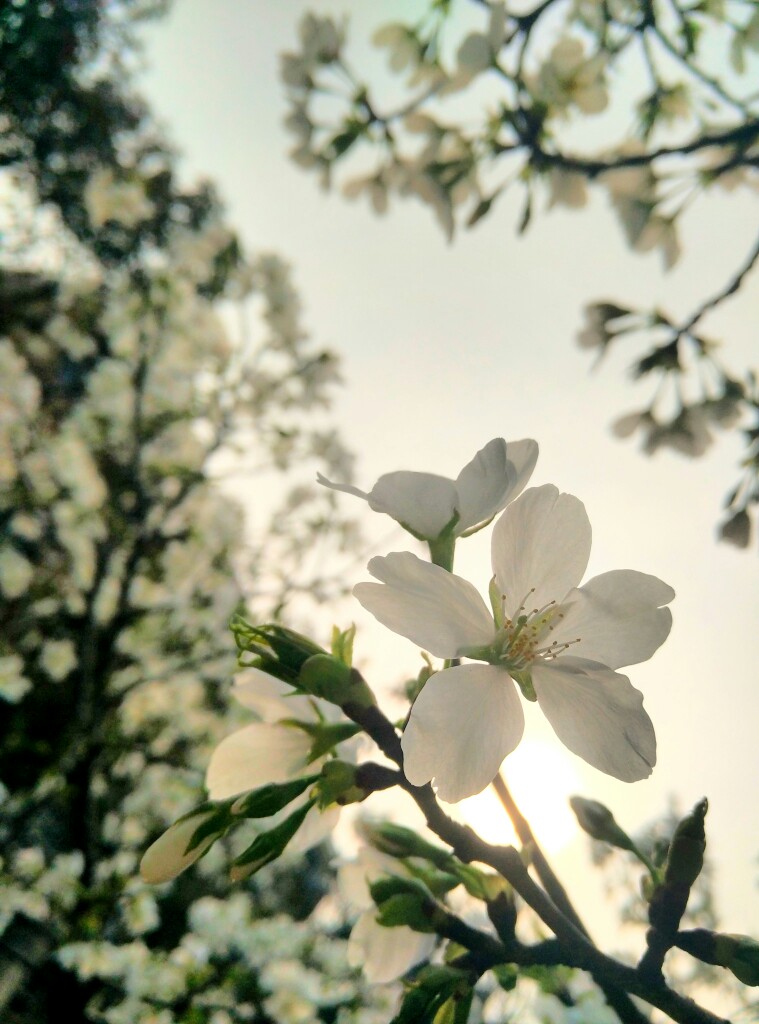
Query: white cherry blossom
point(426, 504)
point(383, 954)
point(561, 643)
point(272, 749)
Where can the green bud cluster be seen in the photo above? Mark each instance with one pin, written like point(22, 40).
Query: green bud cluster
point(297, 660)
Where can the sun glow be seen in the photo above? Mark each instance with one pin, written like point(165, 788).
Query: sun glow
point(541, 779)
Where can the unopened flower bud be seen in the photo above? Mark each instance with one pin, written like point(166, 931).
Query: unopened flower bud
point(180, 846)
point(332, 680)
point(740, 954)
point(398, 841)
point(686, 852)
point(279, 651)
point(598, 821)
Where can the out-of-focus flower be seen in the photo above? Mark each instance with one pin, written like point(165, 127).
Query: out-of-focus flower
point(382, 953)
point(468, 718)
point(273, 749)
point(108, 198)
point(570, 78)
point(16, 573)
point(428, 505)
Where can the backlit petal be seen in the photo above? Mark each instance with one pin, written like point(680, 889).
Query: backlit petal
point(440, 612)
point(384, 954)
point(462, 725)
point(423, 502)
point(598, 714)
point(272, 699)
point(541, 541)
point(618, 617)
point(494, 477)
point(255, 756)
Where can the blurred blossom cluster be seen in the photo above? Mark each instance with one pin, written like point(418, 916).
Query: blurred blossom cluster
point(488, 98)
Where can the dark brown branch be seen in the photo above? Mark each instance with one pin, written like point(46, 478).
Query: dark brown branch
point(468, 847)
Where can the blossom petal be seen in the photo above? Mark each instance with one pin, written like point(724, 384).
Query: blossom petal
point(541, 544)
point(462, 725)
point(255, 756)
point(494, 477)
point(618, 617)
point(316, 828)
point(437, 610)
point(422, 502)
point(168, 856)
point(384, 954)
point(272, 699)
point(598, 714)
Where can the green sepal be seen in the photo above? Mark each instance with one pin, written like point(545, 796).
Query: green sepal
point(326, 735)
point(496, 602)
point(384, 888)
point(409, 910)
point(483, 885)
point(270, 799)
point(270, 845)
point(433, 986)
point(455, 1010)
point(438, 882)
point(342, 644)
point(506, 975)
point(216, 821)
point(399, 841)
point(338, 784)
point(279, 651)
point(524, 682)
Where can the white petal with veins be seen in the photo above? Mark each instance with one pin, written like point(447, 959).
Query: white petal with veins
point(598, 714)
point(541, 544)
point(435, 609)
point(462, 725)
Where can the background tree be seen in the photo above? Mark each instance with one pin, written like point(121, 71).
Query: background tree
point(650, 102)
point(123, 398)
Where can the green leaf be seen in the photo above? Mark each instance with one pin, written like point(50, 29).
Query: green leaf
point(433, 986)
point(268, 800)
point(270, 845)
point(407, 910)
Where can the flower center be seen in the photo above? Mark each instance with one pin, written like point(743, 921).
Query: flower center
point(526, 636)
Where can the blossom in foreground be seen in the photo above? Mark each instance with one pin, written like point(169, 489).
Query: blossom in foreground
point(273, 749)
point(559, 642)
point(428, 505)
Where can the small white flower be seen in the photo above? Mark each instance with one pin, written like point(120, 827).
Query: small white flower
point(16, 573)
point(561, 645)
point(273, 749)
point(58, 658)
point(383, 954)
point(427, 505)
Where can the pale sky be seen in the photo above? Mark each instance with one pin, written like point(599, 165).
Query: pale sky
point(446, 346)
